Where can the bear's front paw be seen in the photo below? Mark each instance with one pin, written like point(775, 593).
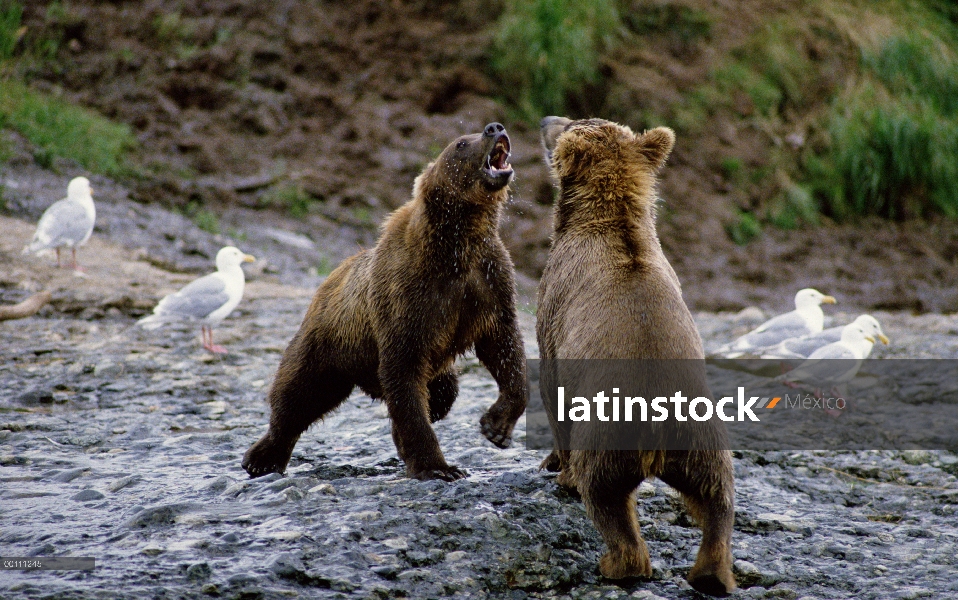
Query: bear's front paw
point(447, 473)
point(496, 429)
point(265, 457)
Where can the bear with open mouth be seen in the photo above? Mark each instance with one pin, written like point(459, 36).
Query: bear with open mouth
point(392, 319)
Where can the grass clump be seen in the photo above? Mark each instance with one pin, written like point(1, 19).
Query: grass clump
point(203, 218)
point(744, 229)
point(685, 24)
point(10, 28)
point(894, 136)
point(794, 205)
point(772, 70)
point(293, 198)
point(548, 50)
point(60, 129)
point(55, 128)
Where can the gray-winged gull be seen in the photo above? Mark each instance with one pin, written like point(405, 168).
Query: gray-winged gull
point(802, 347)
point(807, 318)
point(207, 300)
point(68, 223)
point(834, 364)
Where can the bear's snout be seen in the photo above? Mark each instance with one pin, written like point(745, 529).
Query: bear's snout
point(493, 129)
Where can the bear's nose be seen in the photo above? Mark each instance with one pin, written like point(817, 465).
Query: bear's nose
point(493, 128)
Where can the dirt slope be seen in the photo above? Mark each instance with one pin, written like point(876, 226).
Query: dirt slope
point(234, 102)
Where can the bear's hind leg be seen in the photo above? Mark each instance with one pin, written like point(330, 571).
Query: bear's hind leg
point(443, 390)
point(705, 479)
point(609, 502)
point(301, 394)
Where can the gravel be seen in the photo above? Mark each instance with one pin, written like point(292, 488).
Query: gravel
point(125, 445)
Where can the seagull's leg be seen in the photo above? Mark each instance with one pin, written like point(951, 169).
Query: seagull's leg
point(213, 347)
point(58, 258)
point(76, 266)
point(206, 345)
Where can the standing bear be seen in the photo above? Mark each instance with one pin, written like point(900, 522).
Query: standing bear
point(392, 319)
point(608, 292)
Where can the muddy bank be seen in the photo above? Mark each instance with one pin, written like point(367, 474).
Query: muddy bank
point(242, 108)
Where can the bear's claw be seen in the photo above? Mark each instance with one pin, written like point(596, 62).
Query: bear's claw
point(264, 458)
point(448, 473)
point(551, 463)
point(496, 433)
point(713, 584)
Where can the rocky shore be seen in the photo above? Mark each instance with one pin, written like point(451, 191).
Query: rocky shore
point(125, 445)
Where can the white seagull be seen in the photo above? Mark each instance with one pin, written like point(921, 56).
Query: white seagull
point(208, 299)
point(802, 347)
point(68, 223)
point(837, 363)
point(807, 318)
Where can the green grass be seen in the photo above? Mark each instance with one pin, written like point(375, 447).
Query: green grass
point(883, 138)
point(59, 129)
point(792, 207)
point(548, 50)
point(732, 167)
point(775, 54)
point(685, 24)
point(10, 28)
point(894, 136)
point(325, 267)
point(744, 229)
point(768, 69)
point(207, 221)
point(203, 218)
point(293, 198)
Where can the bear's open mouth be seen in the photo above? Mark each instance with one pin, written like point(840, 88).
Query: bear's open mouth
point(498, 159)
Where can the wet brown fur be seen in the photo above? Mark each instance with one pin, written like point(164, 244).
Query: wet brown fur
point(392, 320)
point(608, 291)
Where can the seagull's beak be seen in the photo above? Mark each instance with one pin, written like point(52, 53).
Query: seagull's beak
point(249, 258)
point(91, 191)
point(883, 338)
point(870, 338)
point(829, 300)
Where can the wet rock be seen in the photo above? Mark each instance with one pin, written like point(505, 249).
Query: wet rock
point(210, 589)
point(69, 475)
point(199, 572)
point(286, 566)
point(160, 515)
point(644, 595)
point(152, 549)
point(917, 457)
point(386, 571)
point(87, 496)
point(124, 482)
point(35, 397)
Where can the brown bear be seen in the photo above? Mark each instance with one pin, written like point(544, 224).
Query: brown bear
point(608, 292)
point(392, 319)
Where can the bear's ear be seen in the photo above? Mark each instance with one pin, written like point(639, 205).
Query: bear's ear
point(655, 145)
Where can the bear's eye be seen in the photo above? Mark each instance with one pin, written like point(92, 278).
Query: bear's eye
point(461, 144)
